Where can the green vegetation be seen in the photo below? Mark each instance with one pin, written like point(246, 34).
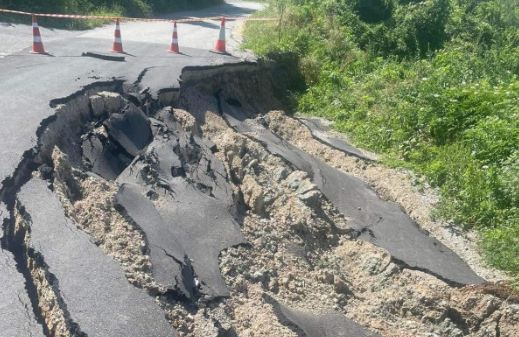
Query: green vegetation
point(433, 84)
point(130, 8)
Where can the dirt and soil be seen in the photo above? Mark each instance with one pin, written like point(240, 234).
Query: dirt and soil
point(299, 250)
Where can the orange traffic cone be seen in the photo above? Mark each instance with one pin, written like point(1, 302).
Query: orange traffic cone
point(220, 44)
point(37, 44)
point(173, 48)
point(117, 46)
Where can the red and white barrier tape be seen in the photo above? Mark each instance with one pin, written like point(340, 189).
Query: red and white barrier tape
point(95, 17)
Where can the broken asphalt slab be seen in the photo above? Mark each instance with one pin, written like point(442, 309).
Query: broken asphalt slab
point(104, 160)
point(177, 193)
point(204, 167)
point(202, 223)
point(382, 223)
point(131, 129)
point(16, 314)
point(170, 264)
point(124, 136)
point(321, 132)
point(92, 286)
point(326, 325)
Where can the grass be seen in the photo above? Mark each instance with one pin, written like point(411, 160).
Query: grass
point(449, 113)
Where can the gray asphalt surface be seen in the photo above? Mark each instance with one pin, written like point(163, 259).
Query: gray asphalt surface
point(201, 35)
point(16, 315)
point(97, 295)
point(191, 217)
point(320, 132)
point(17, 37)
point(322, 325)
point(30, 82)
point(93, 286)
point(383, 223)
point(171, 266)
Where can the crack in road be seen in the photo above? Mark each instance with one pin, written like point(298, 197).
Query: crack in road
point(139, 171)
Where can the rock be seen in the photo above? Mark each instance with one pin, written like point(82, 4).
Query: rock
point(280, 174)
point(305, 186)
point(340, 286)
point(4, 215)
point(113, 101)
point(253, 194)
point(376, 263)
point(253, 163)
point(311, 198)
point(258, 276)
point(97, 104)
point(105, 102)
point(327, 277)
point(295, 178)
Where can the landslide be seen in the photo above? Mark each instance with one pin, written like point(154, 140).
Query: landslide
point(227, 237)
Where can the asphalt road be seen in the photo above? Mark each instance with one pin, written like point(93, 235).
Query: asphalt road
point(188, 215)
point(28, 85)
point(201, 35)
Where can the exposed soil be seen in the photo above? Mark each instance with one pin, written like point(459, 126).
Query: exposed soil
point(298, 251)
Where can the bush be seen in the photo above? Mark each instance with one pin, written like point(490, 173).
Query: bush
point(433, 84)
point(131, 8)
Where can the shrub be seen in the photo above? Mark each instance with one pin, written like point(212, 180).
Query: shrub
point(432, 83)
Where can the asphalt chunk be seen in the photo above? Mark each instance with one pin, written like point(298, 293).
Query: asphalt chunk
point(170, 264)
point(320, 132)
point(204, 167)
point(96, 293)
point(202, 223)
point(380, 222)
point(131, 129)
point(103, 161)
point(327, 325)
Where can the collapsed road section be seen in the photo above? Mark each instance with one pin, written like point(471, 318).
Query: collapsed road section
point(190, 214)
point(95, 297)
point(374, 220)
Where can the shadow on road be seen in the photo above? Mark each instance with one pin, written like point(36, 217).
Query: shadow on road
point(226, 9)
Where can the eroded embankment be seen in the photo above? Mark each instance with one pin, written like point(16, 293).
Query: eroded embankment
point(178, 210)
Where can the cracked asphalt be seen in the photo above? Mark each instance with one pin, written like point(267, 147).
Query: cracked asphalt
point(380, 222)
point(113, 122)
point(28, 85)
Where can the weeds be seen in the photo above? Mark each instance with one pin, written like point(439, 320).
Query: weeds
point(432, 84)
